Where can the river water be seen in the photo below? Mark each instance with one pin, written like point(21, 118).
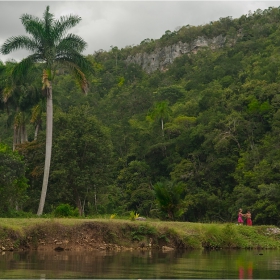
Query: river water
point(195, 264)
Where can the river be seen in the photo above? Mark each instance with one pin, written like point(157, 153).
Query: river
point(195, 264)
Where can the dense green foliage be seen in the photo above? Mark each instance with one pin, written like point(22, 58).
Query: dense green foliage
point(203, 135)
point(13, 183)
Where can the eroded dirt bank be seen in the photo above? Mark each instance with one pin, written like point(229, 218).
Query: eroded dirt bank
point(85, 236)
point(138, 235)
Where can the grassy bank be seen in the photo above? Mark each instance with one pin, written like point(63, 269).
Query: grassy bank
point(91, 234)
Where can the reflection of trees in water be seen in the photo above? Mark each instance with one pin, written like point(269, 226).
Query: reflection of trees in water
point(220, 264)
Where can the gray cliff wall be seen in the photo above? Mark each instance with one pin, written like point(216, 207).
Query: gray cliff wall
point(162, 57)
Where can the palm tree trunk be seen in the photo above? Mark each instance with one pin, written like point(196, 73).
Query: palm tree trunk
point(23, 136)
point(49, 130)
point(21, 140)
point(80, 207)
point(18, 135)
point(36, 131)
point(25, 133)
point(15, 138)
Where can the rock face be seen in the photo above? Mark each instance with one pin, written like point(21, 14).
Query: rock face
point(162, 57)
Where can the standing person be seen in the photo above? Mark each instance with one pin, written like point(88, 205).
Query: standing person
point(248, 217)
point(240, 215)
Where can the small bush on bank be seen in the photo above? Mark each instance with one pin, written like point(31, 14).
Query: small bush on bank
point(65, 210)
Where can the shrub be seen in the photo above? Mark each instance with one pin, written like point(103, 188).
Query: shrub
point(65, 210)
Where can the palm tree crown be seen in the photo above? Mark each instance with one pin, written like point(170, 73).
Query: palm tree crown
point(50, 44)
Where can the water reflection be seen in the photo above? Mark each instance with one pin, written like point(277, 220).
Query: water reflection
point(247, 272)
point(197, 264)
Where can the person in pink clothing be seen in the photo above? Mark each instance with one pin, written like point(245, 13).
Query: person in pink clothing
point(240, 215)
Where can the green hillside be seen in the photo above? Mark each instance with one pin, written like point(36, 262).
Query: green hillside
point(193, 143)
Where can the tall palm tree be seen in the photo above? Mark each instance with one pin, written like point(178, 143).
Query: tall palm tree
point(161, 111)
point(51, 46)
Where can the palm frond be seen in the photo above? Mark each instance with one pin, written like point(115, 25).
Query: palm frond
point(36, 112)
point(19, 42)
point(71, 57)
point(73, 42)
point(64, 24)
point(25, 65)
point(7, 92)
point(81, 79)
point(77, 72)
point(33, 26)
point(48, 20)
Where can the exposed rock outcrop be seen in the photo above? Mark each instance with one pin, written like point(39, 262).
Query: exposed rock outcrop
point(162, 57)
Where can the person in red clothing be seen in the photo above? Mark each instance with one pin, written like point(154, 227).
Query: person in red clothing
point(249, 219)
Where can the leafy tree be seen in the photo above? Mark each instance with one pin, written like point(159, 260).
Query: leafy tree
point(135, 182)
point(13, 183)
point(267, 206)
point(170, 93)
point(82, 154)
point(50, 46)
point(33, 154)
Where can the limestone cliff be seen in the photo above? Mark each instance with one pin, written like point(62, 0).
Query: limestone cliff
point(162, 57)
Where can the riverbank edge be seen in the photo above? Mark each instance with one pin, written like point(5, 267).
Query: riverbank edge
point(113, 234)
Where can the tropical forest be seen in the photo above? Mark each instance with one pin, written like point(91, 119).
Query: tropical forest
point(192, 140)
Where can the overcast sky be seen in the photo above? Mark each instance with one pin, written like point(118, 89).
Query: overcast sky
point(122, 23)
